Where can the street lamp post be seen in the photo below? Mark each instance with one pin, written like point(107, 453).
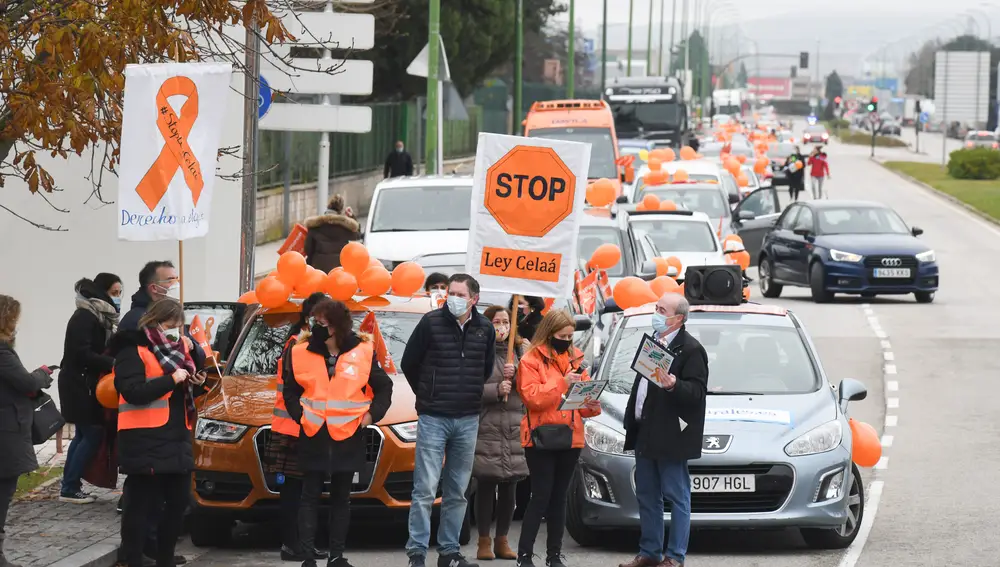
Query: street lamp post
point(433, 45)
point(631, 8)
point(659, 59)
point(518, 68)
point(673, 29)
point(649, 40)
point(604, 48)
point(571, 54)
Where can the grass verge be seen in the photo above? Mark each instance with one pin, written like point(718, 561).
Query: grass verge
point(984, 196)
point(28, 482)
point(865, 139)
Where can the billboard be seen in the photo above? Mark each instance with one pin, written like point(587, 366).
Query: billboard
point(773, 87)
point(962, 86)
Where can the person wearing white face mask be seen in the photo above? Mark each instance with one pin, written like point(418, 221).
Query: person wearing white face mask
point(664, 426)
point(447, 361)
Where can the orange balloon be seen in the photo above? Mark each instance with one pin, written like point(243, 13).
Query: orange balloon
point(676, 264)
point(654, 164)
point(651, 201)
point(291, 267)
point(662, 267)
point(272, 292)
point(606, 256)
point(668, 206)
point(354, 258)
point(663, 285)
point(632, 292)
point(732, 237)
point(866, 449)
point(375, 302)
point(407, 279)
point(760, 165)
point(680, 290)
point(668, 155)
point(688, 153)
point(341, 284)
point(732, 166)
point(248, 298)
point(656, 178)
point(741, 258)
point(742, 179)
point(375, 281)
point(311, 282)
point(681, 176)
point(602, 194)
point(107, 396)
point(741, 158)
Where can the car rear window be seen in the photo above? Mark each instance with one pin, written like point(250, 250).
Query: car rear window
point(982, 137)
point(708, 201)
point(399, 209)
point(676, 235)
point(741, 358)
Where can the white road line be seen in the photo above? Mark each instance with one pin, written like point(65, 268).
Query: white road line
point(890, 369)
point(853, 553)
point(888, 355)
point(891, 421)
point(880, 333)
point(866, 306)
point(887, 440)
point(882, 464)
point(892, 403)
point(892, 386)
point(886, 345)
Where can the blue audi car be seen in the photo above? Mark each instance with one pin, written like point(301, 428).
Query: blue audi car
point(852, 247)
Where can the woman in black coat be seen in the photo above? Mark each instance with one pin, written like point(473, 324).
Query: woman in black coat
point(329, 233)
point(98, 304)
point(17, 388)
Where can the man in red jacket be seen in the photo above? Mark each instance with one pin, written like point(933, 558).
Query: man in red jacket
point(819, 169)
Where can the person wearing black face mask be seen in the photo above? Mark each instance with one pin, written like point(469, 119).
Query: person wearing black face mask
point(529, 315)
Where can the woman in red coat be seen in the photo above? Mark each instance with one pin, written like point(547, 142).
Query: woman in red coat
point(819, 170)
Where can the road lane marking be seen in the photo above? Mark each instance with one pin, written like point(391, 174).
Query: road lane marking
point(891, 421)
point(880, 333)
point(892, 386)
point(853, 553)
point(890, 369)
point(892, 403)
point(887, 440)
point(886, 345)
point(882, 464)
point(888, 355)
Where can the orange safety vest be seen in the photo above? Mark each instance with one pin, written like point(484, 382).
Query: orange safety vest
point(281, 421)
point(152, 415)
point(340, 401)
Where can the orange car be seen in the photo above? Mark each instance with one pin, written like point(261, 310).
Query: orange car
point(234, 422)
point(589, 121)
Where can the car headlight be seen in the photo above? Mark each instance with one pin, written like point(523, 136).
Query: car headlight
point(603, 439)
point(826, 437)
point(927, 256)
point(407, 432)
point(838, 256)
point(218, 431)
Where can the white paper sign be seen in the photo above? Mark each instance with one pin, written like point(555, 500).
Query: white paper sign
point(780, 417)
point(171, 129)
point(527, 198)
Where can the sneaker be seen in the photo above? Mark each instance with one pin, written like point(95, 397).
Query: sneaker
point(557, 560)
point(525, 560)
point(338, 562)
point(77, 497)
point(180, 560)
point(454, 560)
point(416, 561)
point(118, 507)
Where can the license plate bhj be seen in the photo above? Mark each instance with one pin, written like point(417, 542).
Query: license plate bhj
point(723, 483)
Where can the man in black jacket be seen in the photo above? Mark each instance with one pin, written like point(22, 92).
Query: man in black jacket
point(447, 360)
point(664, 426)
point(398, 163)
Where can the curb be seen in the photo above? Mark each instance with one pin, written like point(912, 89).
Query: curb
point(103, 554)
point(933, 190)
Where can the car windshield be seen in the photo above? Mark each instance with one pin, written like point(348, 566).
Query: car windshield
point(741, 358)
point(259, 353)
point(602, 152)
point(715, 150)
point(671, 235)
point(404, 209)
point(861, 220)
point(649, 116)
point(708, 201)
point(593, 236)
point(780, 150)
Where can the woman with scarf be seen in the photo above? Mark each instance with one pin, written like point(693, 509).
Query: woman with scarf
point(98, 304)
point(157, 383)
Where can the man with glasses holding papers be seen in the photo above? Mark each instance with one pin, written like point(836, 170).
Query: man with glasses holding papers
point(664, 423)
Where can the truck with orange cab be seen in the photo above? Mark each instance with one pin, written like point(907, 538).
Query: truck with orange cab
point(588, 121)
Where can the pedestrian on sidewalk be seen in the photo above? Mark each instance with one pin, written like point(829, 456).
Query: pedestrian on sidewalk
point(280, 454)
point(552, 439)
point(499, 463)
point(334, 388)
point(819, 170)
point(447, 361)
point(398, 163)
point(157, 383)
point(17, 388)
point(328, 234)
point(98, 304)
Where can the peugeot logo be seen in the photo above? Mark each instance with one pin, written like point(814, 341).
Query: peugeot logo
point(892, 262)
point(716, 443)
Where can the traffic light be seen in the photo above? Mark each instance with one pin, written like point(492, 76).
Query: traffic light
point(873, 104)
point(804, 60)
point(795, 71)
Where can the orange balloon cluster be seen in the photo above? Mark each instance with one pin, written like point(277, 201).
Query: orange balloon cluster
point(688, 153)
point(358, 274)
point(732, 165)
point(760, 164)
point(658, 177)
point(601, 193)
point(736, 252)
point(742, 179)
point(633, 292)
point(665, 155)
point(866, 448)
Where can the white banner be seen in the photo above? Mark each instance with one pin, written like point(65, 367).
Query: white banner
point(527, 198)
point(171, 129)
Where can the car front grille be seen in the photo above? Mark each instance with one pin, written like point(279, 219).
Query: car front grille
point(874, 262)
point(373, 449)
point(773, 485)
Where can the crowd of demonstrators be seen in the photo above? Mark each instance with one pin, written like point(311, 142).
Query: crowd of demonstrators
point(329, 233)
point(18, 387)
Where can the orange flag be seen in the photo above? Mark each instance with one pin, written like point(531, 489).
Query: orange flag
point(197, 330)
point(370, 326)
point(605, 284)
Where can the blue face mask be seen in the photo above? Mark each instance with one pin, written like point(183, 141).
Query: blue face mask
point(660, 323)
point(117, 301)
point(457, 305)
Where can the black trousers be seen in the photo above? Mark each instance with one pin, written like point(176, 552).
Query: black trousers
point(8, 486)
point(504, 494)
point(794, 188)
point(340, 510)
point(290, 494)
point(145, 495)
point(551, 473)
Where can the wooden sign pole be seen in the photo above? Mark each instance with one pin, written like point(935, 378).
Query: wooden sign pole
point(512, 337)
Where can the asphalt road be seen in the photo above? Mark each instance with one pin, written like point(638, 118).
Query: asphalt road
point(930, 371)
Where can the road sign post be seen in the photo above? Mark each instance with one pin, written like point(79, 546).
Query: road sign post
point(424, 66)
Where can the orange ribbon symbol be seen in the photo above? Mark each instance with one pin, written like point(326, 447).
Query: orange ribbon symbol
point(176, 153)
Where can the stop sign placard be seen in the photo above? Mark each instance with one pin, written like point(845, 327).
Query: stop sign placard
point(529, 191)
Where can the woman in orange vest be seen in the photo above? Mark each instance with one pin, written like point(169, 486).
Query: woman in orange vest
point(157, 383)
point(552, 439)
point(334, 389)
point(280, 453)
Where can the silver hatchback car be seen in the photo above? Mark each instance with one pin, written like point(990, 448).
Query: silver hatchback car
point(776, 452)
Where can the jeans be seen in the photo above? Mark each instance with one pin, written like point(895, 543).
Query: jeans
point(8, 486)
point(504, 493)
point(147, 493)
point(817, 187)
point(656, 479)
point(446, 448)
point(340, 510)
point(551, 473)
point(289, 497)
point(82, 449)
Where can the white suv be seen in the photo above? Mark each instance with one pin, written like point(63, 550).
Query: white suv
point(688, 235)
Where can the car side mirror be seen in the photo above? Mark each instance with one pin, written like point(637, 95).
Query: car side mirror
point(803, 232)
point(851, 390)
point(916, 231)
point(647, 271)
point(582, 322)
point(622, 200)
point(746, 215)
point(610, 306)
point(733, 199)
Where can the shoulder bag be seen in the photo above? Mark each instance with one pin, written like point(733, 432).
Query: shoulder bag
point(46, 420)
point(553, 437)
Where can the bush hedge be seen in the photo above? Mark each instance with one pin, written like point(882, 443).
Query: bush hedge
point(838, 124)
point(974, 163)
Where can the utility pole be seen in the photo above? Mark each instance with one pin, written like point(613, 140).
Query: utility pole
point(248, 201)
point(659, 59)
point(518, 67)
point(433, 57)
point(649, 41)
point(604, 48)
point(571, 54)
point(819, 84)
point(686, 38)
point(631, 8)
point(673, 38)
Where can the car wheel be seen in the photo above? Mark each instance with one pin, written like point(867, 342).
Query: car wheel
point(924, 296)
point(817, 283)
point(209, 531)
point(765, 273)
point(839, 538)
point(582, 534)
